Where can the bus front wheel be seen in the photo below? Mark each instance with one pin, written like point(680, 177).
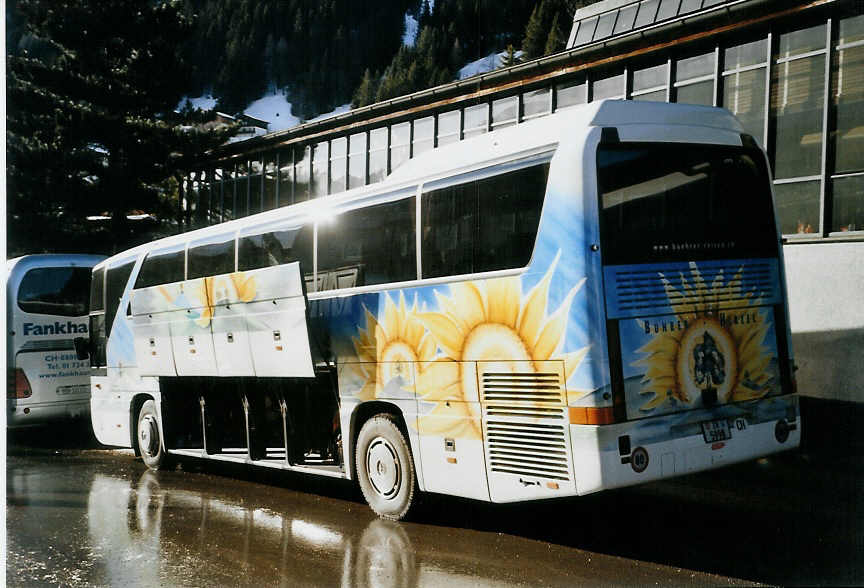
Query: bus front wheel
point(385, 468)
point(149, 437)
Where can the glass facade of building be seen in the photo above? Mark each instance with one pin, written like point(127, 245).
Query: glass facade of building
point(797, 87)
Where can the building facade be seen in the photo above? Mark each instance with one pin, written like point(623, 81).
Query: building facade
point(791, 70)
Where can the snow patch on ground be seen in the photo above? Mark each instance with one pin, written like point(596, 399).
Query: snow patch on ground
point(484, 64)
point(204, 102)
point(410, 34)
point(276, 110)
point(335, 112)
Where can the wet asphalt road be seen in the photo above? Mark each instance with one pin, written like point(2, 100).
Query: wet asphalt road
point(83, 515)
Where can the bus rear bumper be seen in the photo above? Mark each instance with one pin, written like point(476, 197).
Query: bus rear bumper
point(625, 454)
point(23, 414)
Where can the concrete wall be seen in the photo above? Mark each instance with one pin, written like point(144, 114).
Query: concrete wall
point(826, 306)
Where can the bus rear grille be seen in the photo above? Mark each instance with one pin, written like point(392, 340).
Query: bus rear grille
point(538, 448)
point(522, 387)
point(634, 291)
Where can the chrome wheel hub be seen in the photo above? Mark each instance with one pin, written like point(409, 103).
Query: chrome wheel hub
point(148, 436)
point(383, 468)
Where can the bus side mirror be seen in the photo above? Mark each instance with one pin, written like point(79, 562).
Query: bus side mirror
point(81, 344)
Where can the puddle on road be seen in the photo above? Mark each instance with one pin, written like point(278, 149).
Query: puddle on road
point(92, 520)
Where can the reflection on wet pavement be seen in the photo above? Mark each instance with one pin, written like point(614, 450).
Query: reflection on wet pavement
point(98, 517)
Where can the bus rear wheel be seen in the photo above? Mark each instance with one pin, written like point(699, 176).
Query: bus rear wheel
point(385, 468)
point(149, 437)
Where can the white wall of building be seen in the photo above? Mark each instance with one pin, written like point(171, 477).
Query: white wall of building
point(826, 306)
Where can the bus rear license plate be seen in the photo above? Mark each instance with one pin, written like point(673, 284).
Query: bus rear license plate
point(713, 431)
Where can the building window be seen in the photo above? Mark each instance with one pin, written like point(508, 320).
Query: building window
point(320, 162)
point(604, 25)
point(270, 179)
point(217, 195)
point(377, 155)
point(505, 112)
point(400, 144)
point(357, 148)
point(585, 32)
point(798, 207)
point(449, 124)
point(536, 103)
point(476, 120)
point(847, 94)
point(668, 9)
point(228, 192)
point(424, 135)
point(848, 210)
point(302, 173)
point(338, 164)
point(797, 104)
point(647, 12)
point(241, 189)
point(571, 93)
point(650, 84)
point(744, 79)
point(611, 87)
point(694, 80)
point(256, 178)
point(286, 177)
point(626, 17)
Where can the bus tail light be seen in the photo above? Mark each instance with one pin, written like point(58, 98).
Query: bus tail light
point(590, 415)
point(18, 385)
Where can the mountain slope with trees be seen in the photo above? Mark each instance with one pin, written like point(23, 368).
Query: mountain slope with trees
point(331, 52)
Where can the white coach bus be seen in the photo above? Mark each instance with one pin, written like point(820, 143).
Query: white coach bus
point(589, 300)
point(46, 309)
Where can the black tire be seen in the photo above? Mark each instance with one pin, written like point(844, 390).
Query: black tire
point(149, 437)
point(385, 468)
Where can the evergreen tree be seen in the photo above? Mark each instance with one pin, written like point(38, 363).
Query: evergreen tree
point(90, 124)
point(509, 58)
point(366, 91)
point(557, 37)
point(535, 33)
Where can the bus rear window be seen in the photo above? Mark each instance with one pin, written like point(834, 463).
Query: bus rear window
point(62, 291)
point(674, 202)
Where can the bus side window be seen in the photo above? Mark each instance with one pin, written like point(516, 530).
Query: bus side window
point(115, 283)
point(97, 319)
point(210, 259)
point(371, 245)
point(162, 267)
point(482, 225)
point(276, 248)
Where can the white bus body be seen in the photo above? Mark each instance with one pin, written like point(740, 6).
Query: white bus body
point(589, 300)
point(46, 309)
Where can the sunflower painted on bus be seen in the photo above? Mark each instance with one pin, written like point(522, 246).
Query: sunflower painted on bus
point(492, 321)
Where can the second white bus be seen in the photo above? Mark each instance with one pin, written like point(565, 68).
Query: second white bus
point(46, 309)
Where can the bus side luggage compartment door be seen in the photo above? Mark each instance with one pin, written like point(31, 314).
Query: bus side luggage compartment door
point(277, 324)
point(231, 341)
point(151, 316)
point(191, 339)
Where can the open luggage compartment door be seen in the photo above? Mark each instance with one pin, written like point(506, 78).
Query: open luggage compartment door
point(277, 323)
